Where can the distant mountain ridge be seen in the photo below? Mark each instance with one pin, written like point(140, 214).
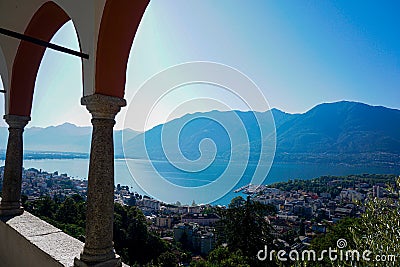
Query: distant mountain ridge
point(66, 137)
point(342, 127)
point(341, 132)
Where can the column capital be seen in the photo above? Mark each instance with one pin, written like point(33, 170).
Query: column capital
point(16, 121)
point(103, 106)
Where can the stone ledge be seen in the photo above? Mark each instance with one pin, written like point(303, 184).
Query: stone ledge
point(27, 240)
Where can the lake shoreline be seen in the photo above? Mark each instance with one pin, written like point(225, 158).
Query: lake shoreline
point(78, 168)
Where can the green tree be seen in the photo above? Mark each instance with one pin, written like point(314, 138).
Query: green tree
point(222, 257)
point(67, 212)
point(340, 230)
point(245, 228)
point(379, 228)
point(168, 259)
point(132, 239)
point(45, 207)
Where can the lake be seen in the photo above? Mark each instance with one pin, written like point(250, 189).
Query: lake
point(78, 168)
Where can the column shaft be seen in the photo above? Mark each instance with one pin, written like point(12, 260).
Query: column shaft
point(100, 204)
point(98, 249)
point(12, 180)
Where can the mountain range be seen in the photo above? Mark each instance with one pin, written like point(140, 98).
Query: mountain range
point(63, 138)
point(341, 132)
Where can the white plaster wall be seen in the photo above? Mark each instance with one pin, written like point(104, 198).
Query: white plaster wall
point(15, 15)
point(4, 78)
point(86, 15)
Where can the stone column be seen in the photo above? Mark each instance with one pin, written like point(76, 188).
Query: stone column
point(98, 249)
point(12, 180)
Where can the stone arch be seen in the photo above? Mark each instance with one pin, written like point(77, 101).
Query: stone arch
point(3, 77)
point(47, 20)
point(118, 27)
point(3, 70)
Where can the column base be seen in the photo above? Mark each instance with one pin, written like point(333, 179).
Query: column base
point(116, 262)
point(11, 210)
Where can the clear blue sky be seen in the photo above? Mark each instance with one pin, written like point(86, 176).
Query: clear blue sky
point(300, 53)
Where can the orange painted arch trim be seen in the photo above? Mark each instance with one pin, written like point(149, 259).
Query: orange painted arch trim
point(119, 23)
point(47, 20)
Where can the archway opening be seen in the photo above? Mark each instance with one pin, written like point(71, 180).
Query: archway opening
point(58, 86)
point(56, 105)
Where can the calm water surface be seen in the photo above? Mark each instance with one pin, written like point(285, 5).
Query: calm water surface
point(78, 168)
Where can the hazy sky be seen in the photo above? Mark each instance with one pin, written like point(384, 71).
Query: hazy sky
point(300, 53)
